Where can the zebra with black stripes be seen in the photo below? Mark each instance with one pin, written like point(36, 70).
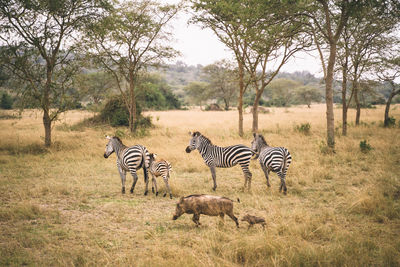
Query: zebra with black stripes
point(160, 168)
point(276, 159)
point(222, 157)
point(129, 159)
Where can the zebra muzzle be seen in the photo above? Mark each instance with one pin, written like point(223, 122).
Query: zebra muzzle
point(105, 155)
point(188, 150)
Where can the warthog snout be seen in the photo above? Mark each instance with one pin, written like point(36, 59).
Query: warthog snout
point(174, 217)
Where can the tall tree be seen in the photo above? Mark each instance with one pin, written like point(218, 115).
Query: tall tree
point(327, 21)
point(367, 32)
point(133, 37)
point(222, 81)
point(219, 16)
point(388, 71)
point(39, 37)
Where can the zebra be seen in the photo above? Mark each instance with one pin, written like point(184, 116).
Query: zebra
point(222, 157)
point(129, 159)
point(276, 159)
point(160, 168)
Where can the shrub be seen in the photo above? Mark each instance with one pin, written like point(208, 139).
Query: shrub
point(364, 146)
point(303, 128)
point(116, 114)
point(390, 122)
point(6, 101)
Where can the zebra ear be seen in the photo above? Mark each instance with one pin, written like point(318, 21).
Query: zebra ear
point(254, 135)
point(154, 155)
point(190, 133)
point(108, 137)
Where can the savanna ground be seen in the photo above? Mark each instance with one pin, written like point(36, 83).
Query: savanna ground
point(63, 206)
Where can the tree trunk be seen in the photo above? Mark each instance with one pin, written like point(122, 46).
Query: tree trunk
point(132, 107)
point(358, 106)
point(240, 102)
point(387, 108)
point(226, 104)
point(255, 111)
point(46, 107)
point(344, 102)
point(330, 121)
point(47, 129)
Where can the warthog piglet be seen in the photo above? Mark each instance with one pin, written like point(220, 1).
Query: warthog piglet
point(253, 220)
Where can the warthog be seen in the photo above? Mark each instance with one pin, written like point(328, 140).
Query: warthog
point(253, 220)
point(207, 205)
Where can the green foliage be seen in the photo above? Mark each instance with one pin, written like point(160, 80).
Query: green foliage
point(303, 128)
point(6, 101)
point(365, 147)
point(116, 114)
point(197, 92)
point(154, 93)
point(390, 122)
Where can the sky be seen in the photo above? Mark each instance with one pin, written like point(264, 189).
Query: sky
point(201, 46)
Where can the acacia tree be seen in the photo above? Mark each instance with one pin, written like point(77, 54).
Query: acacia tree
point(327, 21)
point(221, 18)
point(37, 37)
point(388, 71)
point(130, 39)
point(222, 81)
point(260, 33)
point(367, 32)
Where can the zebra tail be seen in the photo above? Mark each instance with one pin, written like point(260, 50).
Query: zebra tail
point(284, 163)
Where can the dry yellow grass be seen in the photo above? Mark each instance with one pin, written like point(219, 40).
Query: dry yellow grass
point(63, 206)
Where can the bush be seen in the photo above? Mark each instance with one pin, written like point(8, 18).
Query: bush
point(365, 147)
point(6, 101)
point(116, 114)
point(303, 128)
point(391, 122)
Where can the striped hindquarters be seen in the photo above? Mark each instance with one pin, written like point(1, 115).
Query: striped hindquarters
point(135, 157)
point(276, 159)
point(161, 168)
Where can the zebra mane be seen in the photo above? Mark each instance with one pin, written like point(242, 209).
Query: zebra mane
point(263, 140)
point(205, 137)
point(119, 140)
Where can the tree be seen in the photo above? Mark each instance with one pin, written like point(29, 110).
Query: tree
point(367, 32)
point(388, 71)
point(94, 85)
point(38, 37)
point(6, 101)
point(280, 92)
point(327, 21)
point(130, 39)
point(260, 33)
point(222, 81)
point(198, 92)
point(218, 16)
point(307, 94)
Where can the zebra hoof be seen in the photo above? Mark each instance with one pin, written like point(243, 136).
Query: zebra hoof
point(152, 190)
point(131, 191)
point(123, 190)
point(145, 193)
point(164, 194)
point(157, 194)
point(214, 188)
point(170, 196)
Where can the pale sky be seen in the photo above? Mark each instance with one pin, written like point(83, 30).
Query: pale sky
point(201, 46)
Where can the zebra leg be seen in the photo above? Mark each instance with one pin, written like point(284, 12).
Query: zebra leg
point(122, 173)
point(214, 176)
point(154, 184)
point(167, 186)
point(247, 176)
point(146, 180)
point(266, 172)
point(283, 183)
point(135, 178)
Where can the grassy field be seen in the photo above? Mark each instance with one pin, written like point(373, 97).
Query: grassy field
point(63, 206)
